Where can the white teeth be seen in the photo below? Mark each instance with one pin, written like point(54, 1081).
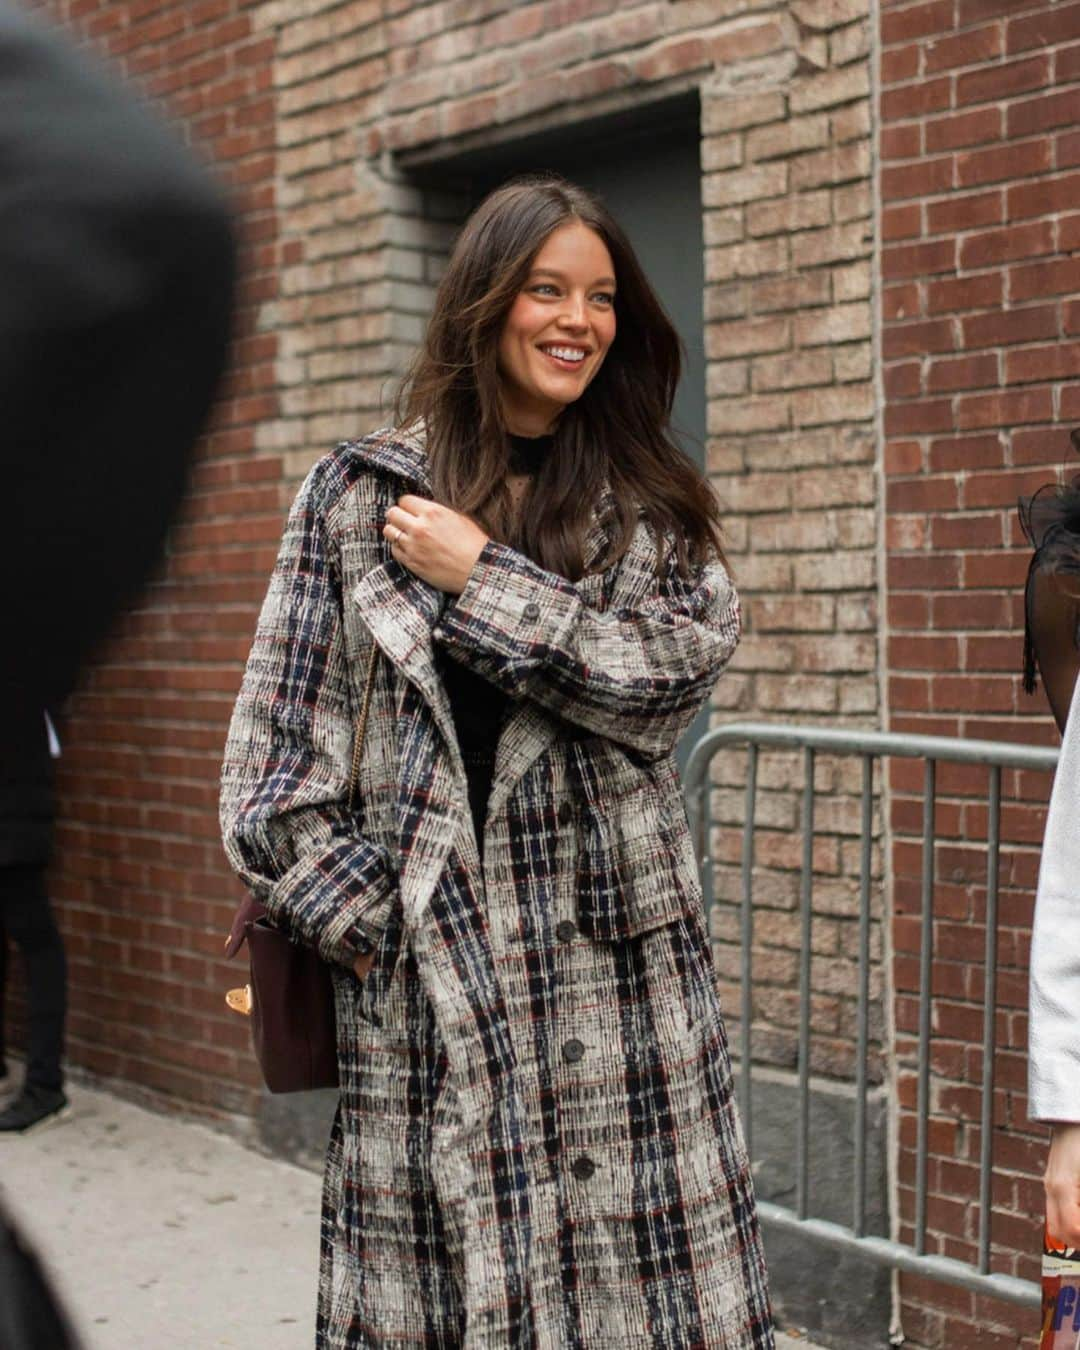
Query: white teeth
point(566, 353)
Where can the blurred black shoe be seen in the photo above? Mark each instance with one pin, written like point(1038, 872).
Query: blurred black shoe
point(33, 1108)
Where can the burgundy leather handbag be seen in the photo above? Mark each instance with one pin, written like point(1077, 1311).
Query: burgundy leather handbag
point(290, 996)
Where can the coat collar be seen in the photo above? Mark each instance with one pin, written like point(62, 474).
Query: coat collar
point(398, 607)
point(402, 455)
point(395, 453)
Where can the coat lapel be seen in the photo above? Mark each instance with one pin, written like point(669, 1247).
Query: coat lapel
point(399, 609)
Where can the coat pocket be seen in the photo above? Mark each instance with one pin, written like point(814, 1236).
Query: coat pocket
point(367, 998)
point(635, 867)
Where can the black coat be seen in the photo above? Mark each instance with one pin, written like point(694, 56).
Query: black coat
point(117, 264)
point(26, 794)
point(117, 259)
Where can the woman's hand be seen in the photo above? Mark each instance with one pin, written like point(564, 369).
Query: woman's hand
point(1062, 1183)
point(363, 964)
point(441, 546)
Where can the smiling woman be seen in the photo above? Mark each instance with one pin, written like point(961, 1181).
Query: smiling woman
point(540, 273)
point(536, 1142)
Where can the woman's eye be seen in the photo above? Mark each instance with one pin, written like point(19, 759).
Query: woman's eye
point(544, 288)
point(604, 297)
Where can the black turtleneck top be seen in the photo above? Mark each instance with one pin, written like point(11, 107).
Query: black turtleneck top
point(479, 708)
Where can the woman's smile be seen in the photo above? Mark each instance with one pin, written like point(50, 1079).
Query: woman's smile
point(568, 358)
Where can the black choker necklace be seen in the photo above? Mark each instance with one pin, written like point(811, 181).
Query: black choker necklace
point(527, 453)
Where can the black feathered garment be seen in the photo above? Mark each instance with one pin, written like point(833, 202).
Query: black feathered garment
point(1051, 521)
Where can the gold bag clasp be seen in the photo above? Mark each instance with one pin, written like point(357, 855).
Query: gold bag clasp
point(239, 1000)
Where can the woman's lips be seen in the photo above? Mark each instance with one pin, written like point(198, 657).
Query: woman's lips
point(563, 362)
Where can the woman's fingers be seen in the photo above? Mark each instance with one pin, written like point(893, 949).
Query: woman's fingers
point(438, 544)
point(402, 515)
point(398, 524)
point(393, 533)
point(1062, 1183)
point(401, 519)
point(410, 523)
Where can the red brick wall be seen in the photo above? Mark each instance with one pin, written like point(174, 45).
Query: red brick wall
point(980, 322)
point(141, 885)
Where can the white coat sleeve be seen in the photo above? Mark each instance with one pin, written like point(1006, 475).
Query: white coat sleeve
point(1054, 1027)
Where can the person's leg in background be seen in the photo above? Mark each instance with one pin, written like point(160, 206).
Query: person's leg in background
point(28, 919)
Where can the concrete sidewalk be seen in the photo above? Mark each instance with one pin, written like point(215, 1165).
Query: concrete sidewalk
point(163, 1232)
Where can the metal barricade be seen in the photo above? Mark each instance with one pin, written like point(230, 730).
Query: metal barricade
point(869, 745)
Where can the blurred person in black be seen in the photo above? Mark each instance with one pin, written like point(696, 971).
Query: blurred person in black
point(118, 260)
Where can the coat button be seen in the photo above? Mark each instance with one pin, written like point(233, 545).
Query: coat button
point(583, 1168)
point(573, 1051)
point(531, 611)
point(566, 813)
point(566, 930)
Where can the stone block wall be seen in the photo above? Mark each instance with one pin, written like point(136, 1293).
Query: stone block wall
point(789, 244)
point(786, 155)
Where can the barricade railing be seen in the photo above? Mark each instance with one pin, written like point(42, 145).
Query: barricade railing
point(868, 746)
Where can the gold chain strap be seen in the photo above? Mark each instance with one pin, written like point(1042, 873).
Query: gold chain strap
point(361, 723)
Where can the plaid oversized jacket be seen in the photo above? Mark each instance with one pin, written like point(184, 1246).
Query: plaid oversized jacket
point(536, 1143)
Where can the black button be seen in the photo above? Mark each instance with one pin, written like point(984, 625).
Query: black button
point(573, 1051)
point(531, 611)
point(566, 931)
point(583, 1168)
point(566, 813)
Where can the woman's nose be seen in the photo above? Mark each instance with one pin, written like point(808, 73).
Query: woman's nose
point(574, 313)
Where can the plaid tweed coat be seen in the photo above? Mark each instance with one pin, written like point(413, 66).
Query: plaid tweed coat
point(536, 1143)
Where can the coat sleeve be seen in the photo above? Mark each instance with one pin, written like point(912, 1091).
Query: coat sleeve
point(285, 822)
point(1054, 1025)
point(637, 673)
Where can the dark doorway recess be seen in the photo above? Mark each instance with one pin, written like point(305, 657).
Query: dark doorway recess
point(646, 165)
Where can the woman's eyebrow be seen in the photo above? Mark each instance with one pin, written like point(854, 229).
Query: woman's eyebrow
point(561, 276)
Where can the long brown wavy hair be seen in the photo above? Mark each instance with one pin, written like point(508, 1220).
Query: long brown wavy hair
point(617, 433)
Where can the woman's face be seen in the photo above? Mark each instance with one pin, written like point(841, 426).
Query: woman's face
point(558, 330)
